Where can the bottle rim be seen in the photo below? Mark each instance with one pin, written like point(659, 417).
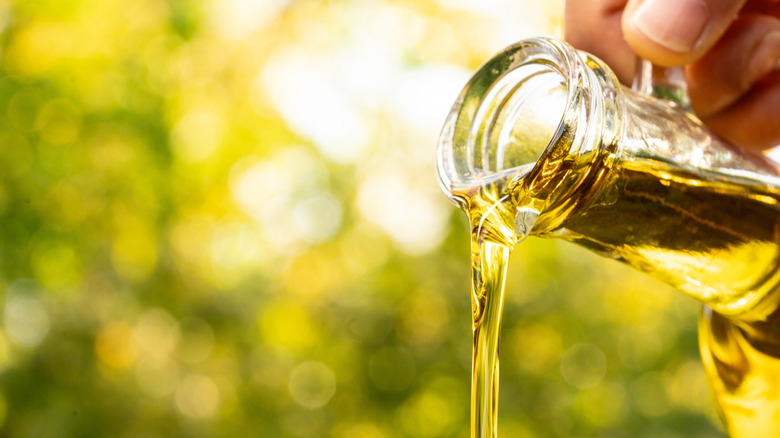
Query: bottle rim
point(467, 155)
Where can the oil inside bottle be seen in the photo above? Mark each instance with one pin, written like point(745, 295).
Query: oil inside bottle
point(713, 235)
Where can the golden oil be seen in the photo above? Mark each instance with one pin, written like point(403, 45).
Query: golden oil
point(544, 141)
point(713, 236)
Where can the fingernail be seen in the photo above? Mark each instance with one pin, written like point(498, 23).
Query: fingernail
point(765, 57)
point(673, 24)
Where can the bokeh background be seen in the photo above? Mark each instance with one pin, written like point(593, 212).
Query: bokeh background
point(220, 218)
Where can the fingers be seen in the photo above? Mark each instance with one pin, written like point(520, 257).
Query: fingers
point(748, 51)
point(594, 26)
point(676, 32)
point(731, 48)
point(752, 121)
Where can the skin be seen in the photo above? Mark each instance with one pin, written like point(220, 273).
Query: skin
point(730, 50)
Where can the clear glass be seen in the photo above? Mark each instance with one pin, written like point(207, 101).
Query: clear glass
point(570, 153)
point(626, 174)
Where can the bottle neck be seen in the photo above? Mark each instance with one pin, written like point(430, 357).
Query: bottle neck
point(534, 126)
point(584, 146)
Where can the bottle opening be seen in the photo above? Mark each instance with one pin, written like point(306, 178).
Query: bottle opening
point(528, 112)
point(508, 114)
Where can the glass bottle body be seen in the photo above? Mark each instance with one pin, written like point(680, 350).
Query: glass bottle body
point(572, 154)
point(684, 207)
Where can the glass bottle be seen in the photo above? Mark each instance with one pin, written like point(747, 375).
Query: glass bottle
point(632, 175)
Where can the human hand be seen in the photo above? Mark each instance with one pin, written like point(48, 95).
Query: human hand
point(730, 50)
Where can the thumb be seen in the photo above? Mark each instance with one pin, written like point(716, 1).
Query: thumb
point(676, 32)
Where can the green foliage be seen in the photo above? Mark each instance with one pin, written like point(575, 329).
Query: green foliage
point(221, 219)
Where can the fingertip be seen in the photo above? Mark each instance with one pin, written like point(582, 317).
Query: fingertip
point(676, 32)
point(666, 30)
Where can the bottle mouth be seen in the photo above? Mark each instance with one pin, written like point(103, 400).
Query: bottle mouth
point(521, 106)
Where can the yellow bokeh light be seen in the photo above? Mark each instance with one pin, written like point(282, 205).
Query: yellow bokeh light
point(427, 415)
point(583, 365)
point(157, 333)
point(30, 53)
point(236, 252)
point(56, 265)
point(197, 397)
point(419, 226)
point(312, 384)
point(134, 250)
point(116, 345)
point(314, 273)
point(26, 319)
point(189, 238)
point(287, 324)
point(197, 134)
point(687, 387)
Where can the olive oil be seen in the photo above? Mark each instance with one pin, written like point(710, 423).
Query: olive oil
point(713, 235)
point(491, 242)
point(544, 141)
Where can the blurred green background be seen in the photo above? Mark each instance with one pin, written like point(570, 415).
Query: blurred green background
point(220, 218)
